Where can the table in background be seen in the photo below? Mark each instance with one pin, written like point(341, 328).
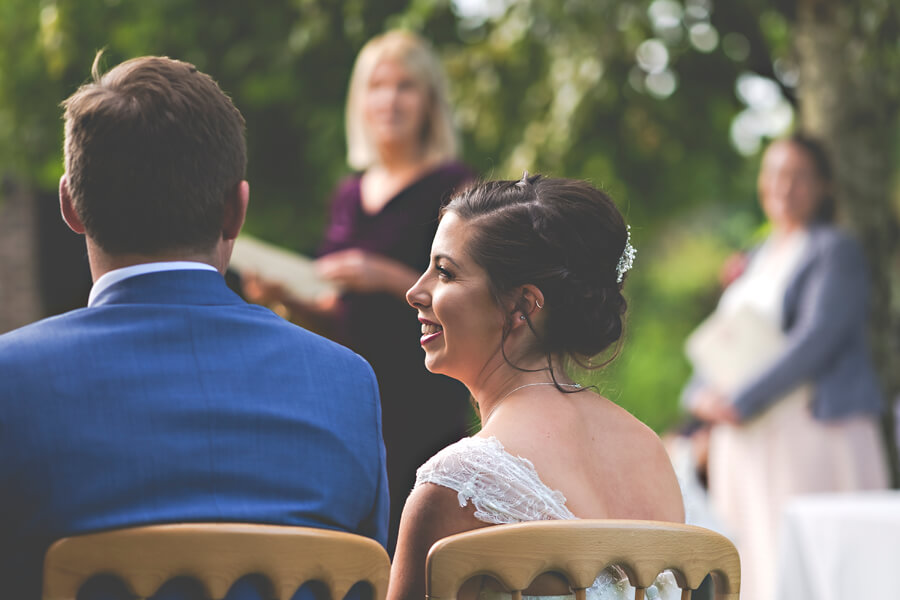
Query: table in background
point(840, 547)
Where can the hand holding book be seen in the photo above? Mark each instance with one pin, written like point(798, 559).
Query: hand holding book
point(276, 274)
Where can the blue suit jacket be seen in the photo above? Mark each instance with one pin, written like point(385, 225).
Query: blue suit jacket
point(171, 399)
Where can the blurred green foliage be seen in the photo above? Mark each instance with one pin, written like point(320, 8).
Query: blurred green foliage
point(545, 85)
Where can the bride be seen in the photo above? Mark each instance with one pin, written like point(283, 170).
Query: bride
point(524, 276)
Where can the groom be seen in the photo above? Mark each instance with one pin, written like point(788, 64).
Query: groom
point(169, 398)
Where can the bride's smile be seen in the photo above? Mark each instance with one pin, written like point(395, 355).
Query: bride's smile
point(429, 331)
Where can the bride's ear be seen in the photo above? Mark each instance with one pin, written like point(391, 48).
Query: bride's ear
point(529, 304)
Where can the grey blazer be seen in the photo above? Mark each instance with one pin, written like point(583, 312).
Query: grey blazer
point(825, 320)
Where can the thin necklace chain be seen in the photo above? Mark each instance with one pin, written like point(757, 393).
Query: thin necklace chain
point(516, 389)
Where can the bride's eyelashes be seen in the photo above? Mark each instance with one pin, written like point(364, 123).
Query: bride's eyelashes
point(443, 272)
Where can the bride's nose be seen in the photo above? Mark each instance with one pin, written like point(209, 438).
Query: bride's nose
point(417, 296)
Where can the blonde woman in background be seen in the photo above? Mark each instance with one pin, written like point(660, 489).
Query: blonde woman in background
point(403, 146)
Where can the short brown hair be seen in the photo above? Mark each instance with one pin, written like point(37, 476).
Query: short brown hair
point(153, 147)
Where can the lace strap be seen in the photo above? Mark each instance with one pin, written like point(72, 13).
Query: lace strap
point(502, 487)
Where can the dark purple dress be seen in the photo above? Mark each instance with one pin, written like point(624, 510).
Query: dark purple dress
point(421, 412)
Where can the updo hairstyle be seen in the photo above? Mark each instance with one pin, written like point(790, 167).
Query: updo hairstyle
point(563, 236)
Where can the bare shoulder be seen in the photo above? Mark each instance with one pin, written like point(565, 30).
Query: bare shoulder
point(431, 512)
point(606, 462)
point(553, 426)
point(435, 508)
point(532, 425)
point(639, 455)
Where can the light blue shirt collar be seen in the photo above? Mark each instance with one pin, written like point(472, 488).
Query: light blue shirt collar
point(116, 275)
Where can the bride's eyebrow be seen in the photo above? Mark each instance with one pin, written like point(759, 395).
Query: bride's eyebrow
point(438, 257)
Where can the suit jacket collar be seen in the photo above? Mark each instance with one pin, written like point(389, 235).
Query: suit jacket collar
point(191, 287)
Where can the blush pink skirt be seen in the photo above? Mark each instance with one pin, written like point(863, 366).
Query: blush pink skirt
point(756, 467)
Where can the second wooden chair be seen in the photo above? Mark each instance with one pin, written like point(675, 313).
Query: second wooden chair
point(579, 550)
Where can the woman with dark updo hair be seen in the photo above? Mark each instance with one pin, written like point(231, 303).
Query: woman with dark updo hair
point(524, 276)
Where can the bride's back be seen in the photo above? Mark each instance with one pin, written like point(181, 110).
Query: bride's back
point(606, 463)
point(524, 276)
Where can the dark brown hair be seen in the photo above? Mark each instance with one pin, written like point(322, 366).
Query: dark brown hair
point(563, 236)
point(153, 147)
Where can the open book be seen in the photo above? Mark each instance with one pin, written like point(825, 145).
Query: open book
point(730, 348)
point(295, 272)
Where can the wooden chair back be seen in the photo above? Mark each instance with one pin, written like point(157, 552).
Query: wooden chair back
point(579, 550)
point(216, 555)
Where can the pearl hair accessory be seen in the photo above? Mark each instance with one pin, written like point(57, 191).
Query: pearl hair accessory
point(626, 261)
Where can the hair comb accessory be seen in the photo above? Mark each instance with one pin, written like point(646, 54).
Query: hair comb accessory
point(626, 261)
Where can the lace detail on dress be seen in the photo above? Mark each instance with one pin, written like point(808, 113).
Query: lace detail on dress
point(507, 489)
point(502, 487)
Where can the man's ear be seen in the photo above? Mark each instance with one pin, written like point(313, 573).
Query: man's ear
point(67, 209)
point(235, 211)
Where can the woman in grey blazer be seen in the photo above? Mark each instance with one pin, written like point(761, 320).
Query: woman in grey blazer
point(807, 421)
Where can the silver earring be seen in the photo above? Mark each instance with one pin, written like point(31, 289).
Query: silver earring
point(538, 304)
point(521, 317)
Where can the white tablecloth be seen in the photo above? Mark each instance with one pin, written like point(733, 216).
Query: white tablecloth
point(840, 547)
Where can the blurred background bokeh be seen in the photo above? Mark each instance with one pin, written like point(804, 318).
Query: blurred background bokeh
point(664, 103)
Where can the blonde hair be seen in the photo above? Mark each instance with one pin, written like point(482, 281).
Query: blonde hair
point(415, 54)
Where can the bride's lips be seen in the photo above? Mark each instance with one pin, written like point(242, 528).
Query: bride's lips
point(430, 331)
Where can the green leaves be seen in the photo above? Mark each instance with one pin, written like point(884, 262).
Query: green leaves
point(563, 88)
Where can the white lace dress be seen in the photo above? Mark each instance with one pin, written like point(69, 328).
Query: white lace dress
point(507, 489)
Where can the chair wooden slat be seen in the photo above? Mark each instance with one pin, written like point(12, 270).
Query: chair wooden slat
point(579, 550)
point(217, 555)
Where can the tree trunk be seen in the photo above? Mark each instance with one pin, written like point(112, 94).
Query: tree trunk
point(844, 101)
point(20, 301)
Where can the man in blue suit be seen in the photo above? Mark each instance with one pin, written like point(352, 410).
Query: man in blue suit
point(170, 399)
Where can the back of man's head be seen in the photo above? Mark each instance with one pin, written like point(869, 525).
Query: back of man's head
point(153, 148)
